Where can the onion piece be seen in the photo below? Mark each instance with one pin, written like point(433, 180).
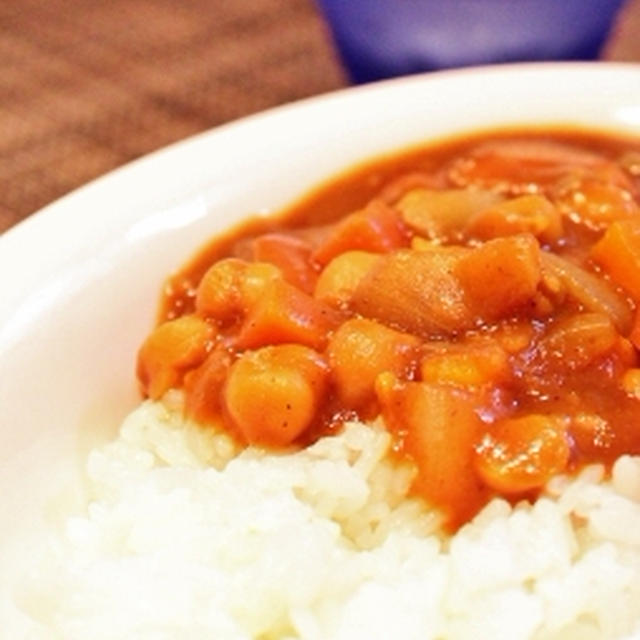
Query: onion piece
point(416, 292)
point(594, 293)
point(439, 214)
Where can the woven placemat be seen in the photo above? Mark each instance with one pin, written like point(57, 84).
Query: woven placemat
point(87, 85)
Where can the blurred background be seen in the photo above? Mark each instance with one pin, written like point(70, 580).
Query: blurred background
point(88, 85)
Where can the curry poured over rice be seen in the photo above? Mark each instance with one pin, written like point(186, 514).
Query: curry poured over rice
point(480, 296)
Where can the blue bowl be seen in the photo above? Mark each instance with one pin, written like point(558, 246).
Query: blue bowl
point(385, 38)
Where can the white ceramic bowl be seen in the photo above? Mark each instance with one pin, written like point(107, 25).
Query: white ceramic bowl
point(80, 280)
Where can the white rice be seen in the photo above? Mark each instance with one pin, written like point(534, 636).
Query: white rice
point(185, 537)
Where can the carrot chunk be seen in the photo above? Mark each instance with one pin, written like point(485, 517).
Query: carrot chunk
point(362, 349)
point(618, 253)
point(501, 276)
point(172, 348)
point(286, 314)
point(272, 394)
point(532, 213)
point(437, 427)
point(467, 365)
point(520, 454)
point(377, 228)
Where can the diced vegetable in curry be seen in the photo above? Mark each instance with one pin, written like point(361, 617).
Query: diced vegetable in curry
point(480, 296)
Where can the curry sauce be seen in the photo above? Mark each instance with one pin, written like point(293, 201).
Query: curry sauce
point(478, 294)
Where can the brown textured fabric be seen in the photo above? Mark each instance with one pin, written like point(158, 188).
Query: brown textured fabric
point(87, 85)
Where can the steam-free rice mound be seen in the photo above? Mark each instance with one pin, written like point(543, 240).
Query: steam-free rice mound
point(186, 537)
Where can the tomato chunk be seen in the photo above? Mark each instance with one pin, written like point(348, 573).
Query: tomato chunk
point(203, 387)
point(291, 254)
point(377, 228)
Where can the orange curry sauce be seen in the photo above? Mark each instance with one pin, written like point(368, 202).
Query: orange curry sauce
point(480, 294)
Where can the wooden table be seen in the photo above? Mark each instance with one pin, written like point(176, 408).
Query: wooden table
point(88, 85)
